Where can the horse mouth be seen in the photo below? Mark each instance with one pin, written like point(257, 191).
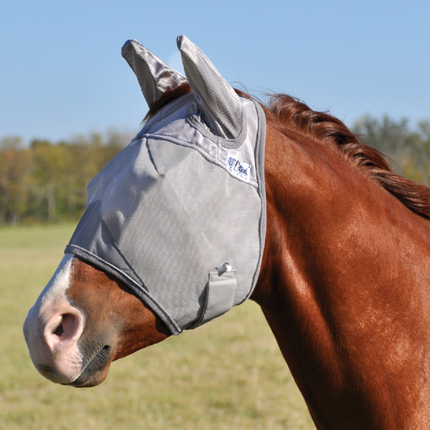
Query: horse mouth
point(95, 372)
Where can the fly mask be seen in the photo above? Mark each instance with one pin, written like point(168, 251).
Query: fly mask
point(179, 215)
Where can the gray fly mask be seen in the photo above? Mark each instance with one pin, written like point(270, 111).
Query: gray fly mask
point(179, 214)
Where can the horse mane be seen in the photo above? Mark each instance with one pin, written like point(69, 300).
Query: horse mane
point(167, 97)
point(287, 113)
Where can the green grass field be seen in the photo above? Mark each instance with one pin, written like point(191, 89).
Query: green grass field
point(229, 374)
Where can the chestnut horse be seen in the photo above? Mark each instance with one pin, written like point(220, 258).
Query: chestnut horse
point(344, 282)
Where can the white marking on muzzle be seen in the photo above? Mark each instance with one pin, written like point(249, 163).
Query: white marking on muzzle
point(53, 328)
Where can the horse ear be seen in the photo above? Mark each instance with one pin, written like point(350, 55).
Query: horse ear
point(154, 76)
point(220, 105)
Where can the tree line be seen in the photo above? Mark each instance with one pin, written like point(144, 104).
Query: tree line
point(408, 148)
point(46, 182)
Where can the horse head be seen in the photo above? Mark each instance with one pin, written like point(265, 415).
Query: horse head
point(173, 233)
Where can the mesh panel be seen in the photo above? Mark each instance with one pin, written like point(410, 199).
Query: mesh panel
point(171, 215)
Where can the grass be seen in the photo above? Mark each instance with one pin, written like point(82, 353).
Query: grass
point(228, 374)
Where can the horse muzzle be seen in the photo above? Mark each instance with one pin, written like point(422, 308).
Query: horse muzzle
point(52, 332)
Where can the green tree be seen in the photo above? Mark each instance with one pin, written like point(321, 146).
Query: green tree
point(15, 166)
point(408, 150)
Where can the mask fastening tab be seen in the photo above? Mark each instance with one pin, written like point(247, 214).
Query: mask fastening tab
point(220, 292)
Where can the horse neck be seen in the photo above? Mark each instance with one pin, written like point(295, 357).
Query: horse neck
point(333, 279)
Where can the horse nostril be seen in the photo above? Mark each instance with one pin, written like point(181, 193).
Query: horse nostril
point(67, 327)
point(59, 330)
point(106, 348)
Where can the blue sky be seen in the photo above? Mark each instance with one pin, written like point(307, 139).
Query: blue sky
point(62, 73)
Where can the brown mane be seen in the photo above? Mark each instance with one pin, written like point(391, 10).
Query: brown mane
point(285, 112)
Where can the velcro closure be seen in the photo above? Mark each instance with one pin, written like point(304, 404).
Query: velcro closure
point(220, 292)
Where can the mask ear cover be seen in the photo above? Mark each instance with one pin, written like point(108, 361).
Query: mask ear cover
point(220, 105)
point(154, 76)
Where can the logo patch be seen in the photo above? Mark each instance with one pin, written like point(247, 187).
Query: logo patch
point(237, 168)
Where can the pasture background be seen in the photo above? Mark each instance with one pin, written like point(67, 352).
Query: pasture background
point(228, 374)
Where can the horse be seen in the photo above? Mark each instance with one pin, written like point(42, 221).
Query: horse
point(343, 279)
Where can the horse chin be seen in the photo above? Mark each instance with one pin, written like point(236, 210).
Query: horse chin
point(95, 372)
point(88, 381)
